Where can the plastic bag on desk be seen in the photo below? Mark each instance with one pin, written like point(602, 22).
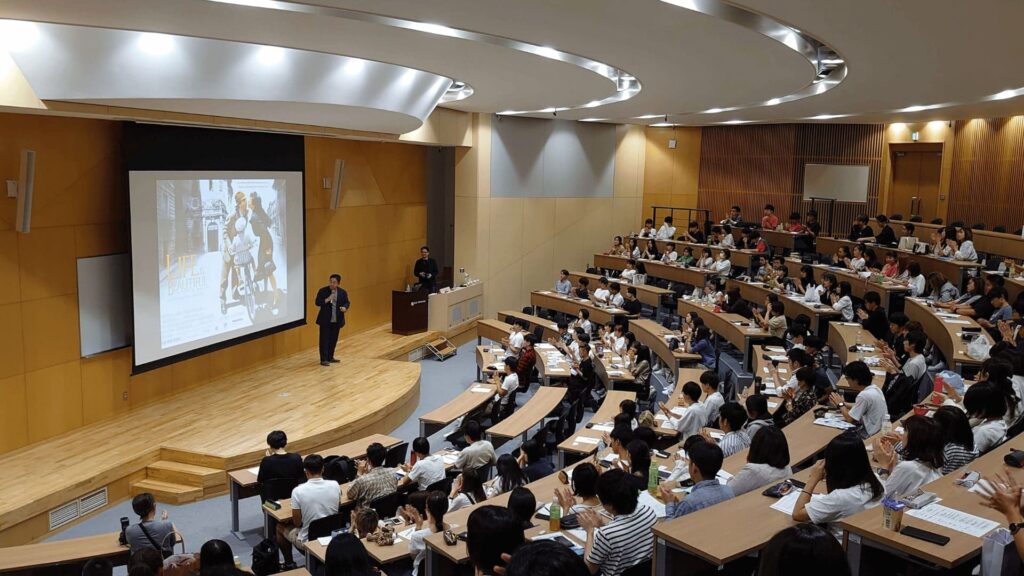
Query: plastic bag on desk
point(999, 554)
point(979, 347)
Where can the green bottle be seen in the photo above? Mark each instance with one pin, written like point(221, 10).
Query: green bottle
point(652, 478)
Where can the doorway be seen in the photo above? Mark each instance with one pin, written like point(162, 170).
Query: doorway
point(916, 170)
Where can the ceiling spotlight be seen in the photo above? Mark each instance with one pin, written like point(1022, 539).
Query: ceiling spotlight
point(593, 119)
point(270, 55)
point(16, 36)
point(156, 44)
point(1005, 94)
point(354, 66)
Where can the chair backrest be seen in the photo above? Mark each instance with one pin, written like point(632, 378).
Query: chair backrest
point(278, 488)
point(538, 331)
point(916, 219)
point(937, 220)
point(896, 217)
point(528, 310)
point(386, 506)
point(443, 485)
point(324, 526)
point(396, 455)
point(978, 226)
point(999, 228)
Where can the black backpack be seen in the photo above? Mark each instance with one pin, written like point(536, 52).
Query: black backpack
point(341, 469)
point(264, 558)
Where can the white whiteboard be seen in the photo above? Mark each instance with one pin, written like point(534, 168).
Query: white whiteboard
point(104, 303)
point(836, 182)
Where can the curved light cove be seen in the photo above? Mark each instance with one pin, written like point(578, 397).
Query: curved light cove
point(626, 85)
point(198, 75)
point(831, 68)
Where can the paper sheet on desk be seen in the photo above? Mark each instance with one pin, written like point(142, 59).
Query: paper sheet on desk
point(653, 503)
point(678, 410)
point(954, 519)
point(834, 423)
point(406, 533)
point(324, 540)
point(605, 427)
point(480, 390)
point(716, 435)
point(956, 321)
point(586, 440)
point(775, 348)
point(787, 503)
point(661, 417)
point(255, 470)
point(449, 459)
point(773, 404)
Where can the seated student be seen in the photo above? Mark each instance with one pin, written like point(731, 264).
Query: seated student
point(629, 272)
point(957, 437)
point(364, 521)
point(145, 562)
point(700, 343)
point(467, 489)
point(767, 462)
point(615, 545)
point(971, 294)
point(733, 217)
point(563, 285)
point(602, 292)
point(583, 321)
point(318, 498)
point(694, 233)
point(648, 230)
point(918, 462)
point(515, 339)
point(583, 376)
point(705, 462)
point(907, 241)
point(797, 359)
point(507, 383)
point(723, 264)
point(757, 414)
point(638, 456)
point(618, 439)
point(565, 337)
point(651, 251)
point(534, 460)
point(583, 492)
point(686, 258)
point(508, 474)
point(851, 484)
point(886, 236)
point(479, 453)
point(815, 346)
point(629, 409)
point(277, 463)
point(149, 532)
point(618, 249)
point(731, 418)
point(522, 504)
point(694, 414)
point(582, 290)
point(795, 549)
point(615, 295)
point(962, 245)
point(618, 340)
point(713, 399)
point(373, 480)
point(735, 304)
point(633, 247)
point(842, 302)
point(797, 334)
point(769, 221)
point(706, 260)
point(891, 267)
point(795, 225)
point(756, 243)
point(426, 470)
point(100, 567)
point(869, 410)
point(805, 284)
point(857, 262)
point(546, 558)
point(861, 229)
point(799, 401)
point(491, 531)
point(728, 240)
point(915, 365)
point(986, 404)
point(669, 256)
point(428, 520)
point(667, 230)
point(215, 555)
point(630, 303)
point(872, 316)
point(1002, 311)
point(871, 263)
point(774, 321)
point(942, 290)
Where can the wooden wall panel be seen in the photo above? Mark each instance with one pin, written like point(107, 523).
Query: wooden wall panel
point(80, 209)
point(987, 179)
point(751, 166)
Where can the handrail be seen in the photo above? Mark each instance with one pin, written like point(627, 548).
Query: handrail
point(706, 222)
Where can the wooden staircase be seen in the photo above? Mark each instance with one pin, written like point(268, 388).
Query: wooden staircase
point(178, 482)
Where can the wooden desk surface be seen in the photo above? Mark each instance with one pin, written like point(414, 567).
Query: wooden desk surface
point(985, 241)
point(657, 269)
point(652, 335)
point(887, 289)
point(739, 258)
point(841, 336)
point(489, 359)
point(755, 293)
point(868, 524)
point(354, 449)
point(942, 332)
point(781, 238)
point(550, 362)
point(1014, 286)
point(493, 329)
point(953, 270)
point(646, 293)
point(571, 306)
point(729, 326)
point(467, 401)
point(380, 554)
point(604, 415)
point(611, 369)
point(543, 401)
point(549, 327)
point(69, 551)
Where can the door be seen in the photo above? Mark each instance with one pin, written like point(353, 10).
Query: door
point(915, 175)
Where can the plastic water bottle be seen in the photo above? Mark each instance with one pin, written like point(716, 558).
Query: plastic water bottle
point(887, 425)
point(555, 522)
point(652, 478)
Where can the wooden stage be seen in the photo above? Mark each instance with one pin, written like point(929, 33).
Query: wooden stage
point(180, 447)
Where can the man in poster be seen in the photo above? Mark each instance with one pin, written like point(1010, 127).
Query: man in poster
point(333, 303)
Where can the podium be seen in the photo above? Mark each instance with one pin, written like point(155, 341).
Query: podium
point(408, 312)
point(457, 310)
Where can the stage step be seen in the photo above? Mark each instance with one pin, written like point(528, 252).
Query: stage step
point(168, 492)
point(186, 474)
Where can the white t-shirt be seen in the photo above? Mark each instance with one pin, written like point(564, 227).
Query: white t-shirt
point(728, 241)
point(723, 267)
point(870, 409)
point(845, 306)
point(418, 548)
point(693, 419)
point(856, 264)
point(917, 285)
point(601, 294)
point(619, 345)
point(988, 434)
point(915, 367)
point(515, 341)
point(839, 504)
point(712, 403)
point(628, 273)
point(427, 471)
point(705, 262)
point(666, 232)
point(909, 475)
point(1018, 388)
point(670, 257)
point(617, 300)
point(316, 499)
point(510, 383)
point(966, 252)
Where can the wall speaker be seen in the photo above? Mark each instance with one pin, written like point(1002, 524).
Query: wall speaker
point(339, 172)
point(26, 183)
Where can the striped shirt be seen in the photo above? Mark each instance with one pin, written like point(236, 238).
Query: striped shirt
point(956, 456)
point(624, 542)
point(733, 442)
point(372, 485)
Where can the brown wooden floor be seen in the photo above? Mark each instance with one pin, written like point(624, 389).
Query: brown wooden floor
point(221, 425)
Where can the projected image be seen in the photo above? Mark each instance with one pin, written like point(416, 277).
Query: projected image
point(222, 256)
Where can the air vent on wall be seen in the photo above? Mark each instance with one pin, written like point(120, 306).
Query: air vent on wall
point(62, 515)
point(74, 510)
point(91, 502)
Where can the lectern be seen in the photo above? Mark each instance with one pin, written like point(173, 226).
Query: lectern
point(408, 312)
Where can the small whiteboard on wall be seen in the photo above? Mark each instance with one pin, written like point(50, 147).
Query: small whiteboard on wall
point(104, 303)
point(843, 183)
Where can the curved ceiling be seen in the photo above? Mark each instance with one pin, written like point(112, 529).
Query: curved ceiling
point(903, 58)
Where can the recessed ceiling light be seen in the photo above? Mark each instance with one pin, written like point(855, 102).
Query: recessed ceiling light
point(1005, 94)
point(16, 36)
point(773, 102)
point(354, 66)
point(156, 44)
point(270, 55)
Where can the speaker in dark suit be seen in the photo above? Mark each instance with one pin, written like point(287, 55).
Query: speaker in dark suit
point(333, 303)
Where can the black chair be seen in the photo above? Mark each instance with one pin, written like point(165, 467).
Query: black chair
point(978, 226)
point(999, 228)
point(538, 331)
point(528, 310)
point(896, 217)
point(278, 488)
point(641, 569)
point(916, 219)
point(396, 455)
point(442, 485)
point(324, 526)
point(386, 506)
point(937, 220)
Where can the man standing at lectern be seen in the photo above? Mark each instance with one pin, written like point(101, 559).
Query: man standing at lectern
point(333, 303)
point(426, 271)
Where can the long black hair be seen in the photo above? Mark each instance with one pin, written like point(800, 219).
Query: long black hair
point(847, 465)
point(510, 472)
point(956, 427)
point(346, 556)
point(924, 441)
point(802, 550)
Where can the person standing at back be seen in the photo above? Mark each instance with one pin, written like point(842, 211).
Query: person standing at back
point(311, 501)
point(333, 303)
point(278, 463)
